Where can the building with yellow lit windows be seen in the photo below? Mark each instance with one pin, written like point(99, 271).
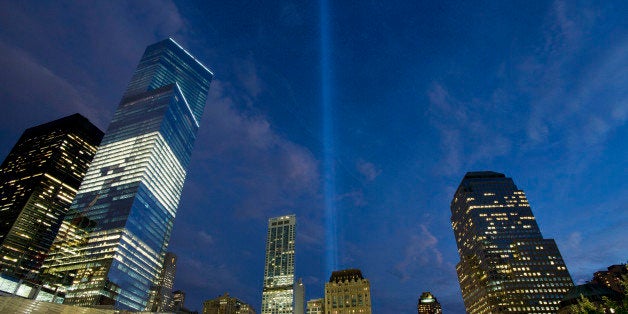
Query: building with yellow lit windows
point(226, 304)
point(505, 263)
point(428, 304)
point(347, 292)
point(315, 306)
point(38, 181)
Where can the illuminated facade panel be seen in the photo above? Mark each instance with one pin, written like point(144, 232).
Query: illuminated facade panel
point(505, 263)
point(347, 292)
point(278, 292)
point(38, 181)
point(119, 225)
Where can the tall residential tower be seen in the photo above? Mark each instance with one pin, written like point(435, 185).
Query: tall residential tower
point(113, 241)
point(505, 263)
point(38, 181)
point(278, 292)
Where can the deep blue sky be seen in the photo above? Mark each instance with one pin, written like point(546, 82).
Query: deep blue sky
point(420, 94)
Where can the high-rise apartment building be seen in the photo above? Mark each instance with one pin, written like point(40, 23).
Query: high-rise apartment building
point(38, 181)
point(114, 238)
point(428, 304)
point(347, 292)
point(278, 292)
point(505, 263)
point(161, 294)
point(226, 304)
point(315, 306)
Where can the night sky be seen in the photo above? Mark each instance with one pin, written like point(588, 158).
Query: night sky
point(418, 94)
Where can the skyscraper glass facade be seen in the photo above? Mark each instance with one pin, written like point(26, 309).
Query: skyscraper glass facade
point(114, 238)
point(38, 181)
point(505, 263)
point(278, 292)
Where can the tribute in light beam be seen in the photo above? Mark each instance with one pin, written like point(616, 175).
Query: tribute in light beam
point(328, 143)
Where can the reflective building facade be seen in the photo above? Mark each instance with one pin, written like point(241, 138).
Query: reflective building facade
point(38, 181)
point(113, 241)
point(505, 263)
point(278, 292)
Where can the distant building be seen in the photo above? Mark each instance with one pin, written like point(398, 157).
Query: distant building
point(299, 297)
point(226, 305)
point(611, 278)
point(316, 306)
point(347, 292)
point(38, 181)
point(428, 304)
point(161, 294)
point(278, 292)
point(605, 284)
point(178, 299)
point(505, 263)
point(594, 292)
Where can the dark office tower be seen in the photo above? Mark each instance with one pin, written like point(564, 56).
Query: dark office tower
point(161, 294)
point(38, 181)
point(428, 304)
point(278, 292)
point(116, 233)
point(505, 263)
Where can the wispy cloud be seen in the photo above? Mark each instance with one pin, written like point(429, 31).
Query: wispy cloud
point(421, 250)
point(49, 64)
point(368, 169)
point(468, 131)
point(242, 150)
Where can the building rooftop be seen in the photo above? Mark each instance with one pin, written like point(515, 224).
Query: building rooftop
point(345, 275)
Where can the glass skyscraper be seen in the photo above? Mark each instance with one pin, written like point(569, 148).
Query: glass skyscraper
point(113, 241)
point(505, 263)
point(278, 292)
point(38, 181)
